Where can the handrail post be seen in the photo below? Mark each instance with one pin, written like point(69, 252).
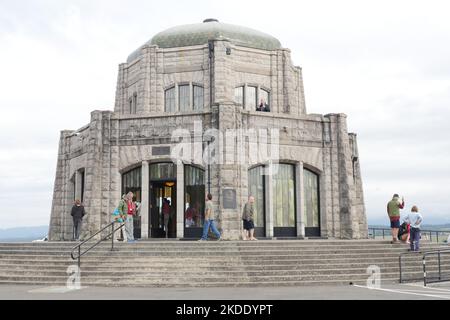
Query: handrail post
point(424, 271)
point(79, 257)
point(383, 234)
point(112, 236)
point(400, 266)
point(439, 262)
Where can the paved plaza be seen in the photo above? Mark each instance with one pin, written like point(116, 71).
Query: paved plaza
point(414, 291)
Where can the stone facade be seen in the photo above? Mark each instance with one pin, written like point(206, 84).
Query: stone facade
point(92, 159)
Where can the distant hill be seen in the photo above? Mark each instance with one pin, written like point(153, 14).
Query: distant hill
point(23, 233)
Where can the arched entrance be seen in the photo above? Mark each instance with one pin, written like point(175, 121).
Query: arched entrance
point(132, 181)
point(284, 201)
point(311, 202)
point(194, 201)
point(162, 193)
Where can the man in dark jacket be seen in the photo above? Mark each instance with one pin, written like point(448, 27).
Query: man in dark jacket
point(77, 215)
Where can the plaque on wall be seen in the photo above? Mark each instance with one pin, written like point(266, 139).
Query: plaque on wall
point(161, 151)
point(229, 198)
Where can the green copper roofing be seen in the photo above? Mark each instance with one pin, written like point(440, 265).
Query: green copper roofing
point(200, 33)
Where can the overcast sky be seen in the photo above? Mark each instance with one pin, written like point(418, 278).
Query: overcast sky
point(386, 64)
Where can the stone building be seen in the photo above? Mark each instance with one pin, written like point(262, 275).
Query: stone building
point(195, 78)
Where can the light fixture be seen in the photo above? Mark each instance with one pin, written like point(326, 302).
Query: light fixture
point(170, 184)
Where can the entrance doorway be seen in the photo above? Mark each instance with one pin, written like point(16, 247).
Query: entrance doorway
point(161, 191)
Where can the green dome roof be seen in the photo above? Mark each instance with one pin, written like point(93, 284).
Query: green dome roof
point(200, 33)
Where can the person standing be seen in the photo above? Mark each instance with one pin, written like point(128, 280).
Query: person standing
point(248, 219)
point(77, 214)
point(123, 214)
point(414, 218)
point(209, 220)
point(166, 215)
point(393, 210)
point(131, 210)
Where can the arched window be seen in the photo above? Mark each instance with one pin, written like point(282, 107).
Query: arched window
point(264, 95)
point(194, 198)
point(311, 200)
point(169, 97)
point(197, 97)
point(183, 97)
point(256, 188)
point(134, 109)
point(131, 181)
point(239, 95)
point(284, 200)
point(250, 98)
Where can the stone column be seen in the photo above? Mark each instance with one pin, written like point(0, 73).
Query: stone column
point(145, 197)
point(269, 205)
point(299, 207)
point(180, 200)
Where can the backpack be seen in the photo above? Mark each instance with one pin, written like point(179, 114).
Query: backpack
point(402, 229)
point(116, 215)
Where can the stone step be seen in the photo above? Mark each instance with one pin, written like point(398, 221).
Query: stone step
point(227, 263)
point(105, 280)
point(211, 284)
point(221, 261)
point(4, 264)
point(224, 249)
point(197, 272)
point(221, 244)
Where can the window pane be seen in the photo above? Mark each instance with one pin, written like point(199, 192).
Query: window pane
point(251, 98)
point(159, 171)
point(284, 196)
point(256, 189)
point(239, 95)
point(170, 100)
point(130, 105)
point(183, 97)
point(311, 198)
point(134, 103)
point(131, 181)
point(194, 196)
point(198, 98)
point(264, 95)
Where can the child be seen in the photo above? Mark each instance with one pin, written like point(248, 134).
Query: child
point(414, 219)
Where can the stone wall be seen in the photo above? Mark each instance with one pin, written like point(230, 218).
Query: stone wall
point(157, 69)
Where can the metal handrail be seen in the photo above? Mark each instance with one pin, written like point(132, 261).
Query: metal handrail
point(430, 232)
point(424, 255)
point(78, 246)
point(438, 252)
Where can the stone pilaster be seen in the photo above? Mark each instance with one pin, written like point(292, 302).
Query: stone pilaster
point(56, 228)
point(145, 199)
point(359, 194)
point(300, 208)
point(180, 200)
point(269, 205)
point(348, 216)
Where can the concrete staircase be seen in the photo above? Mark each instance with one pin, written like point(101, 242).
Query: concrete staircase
point(212, 263)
